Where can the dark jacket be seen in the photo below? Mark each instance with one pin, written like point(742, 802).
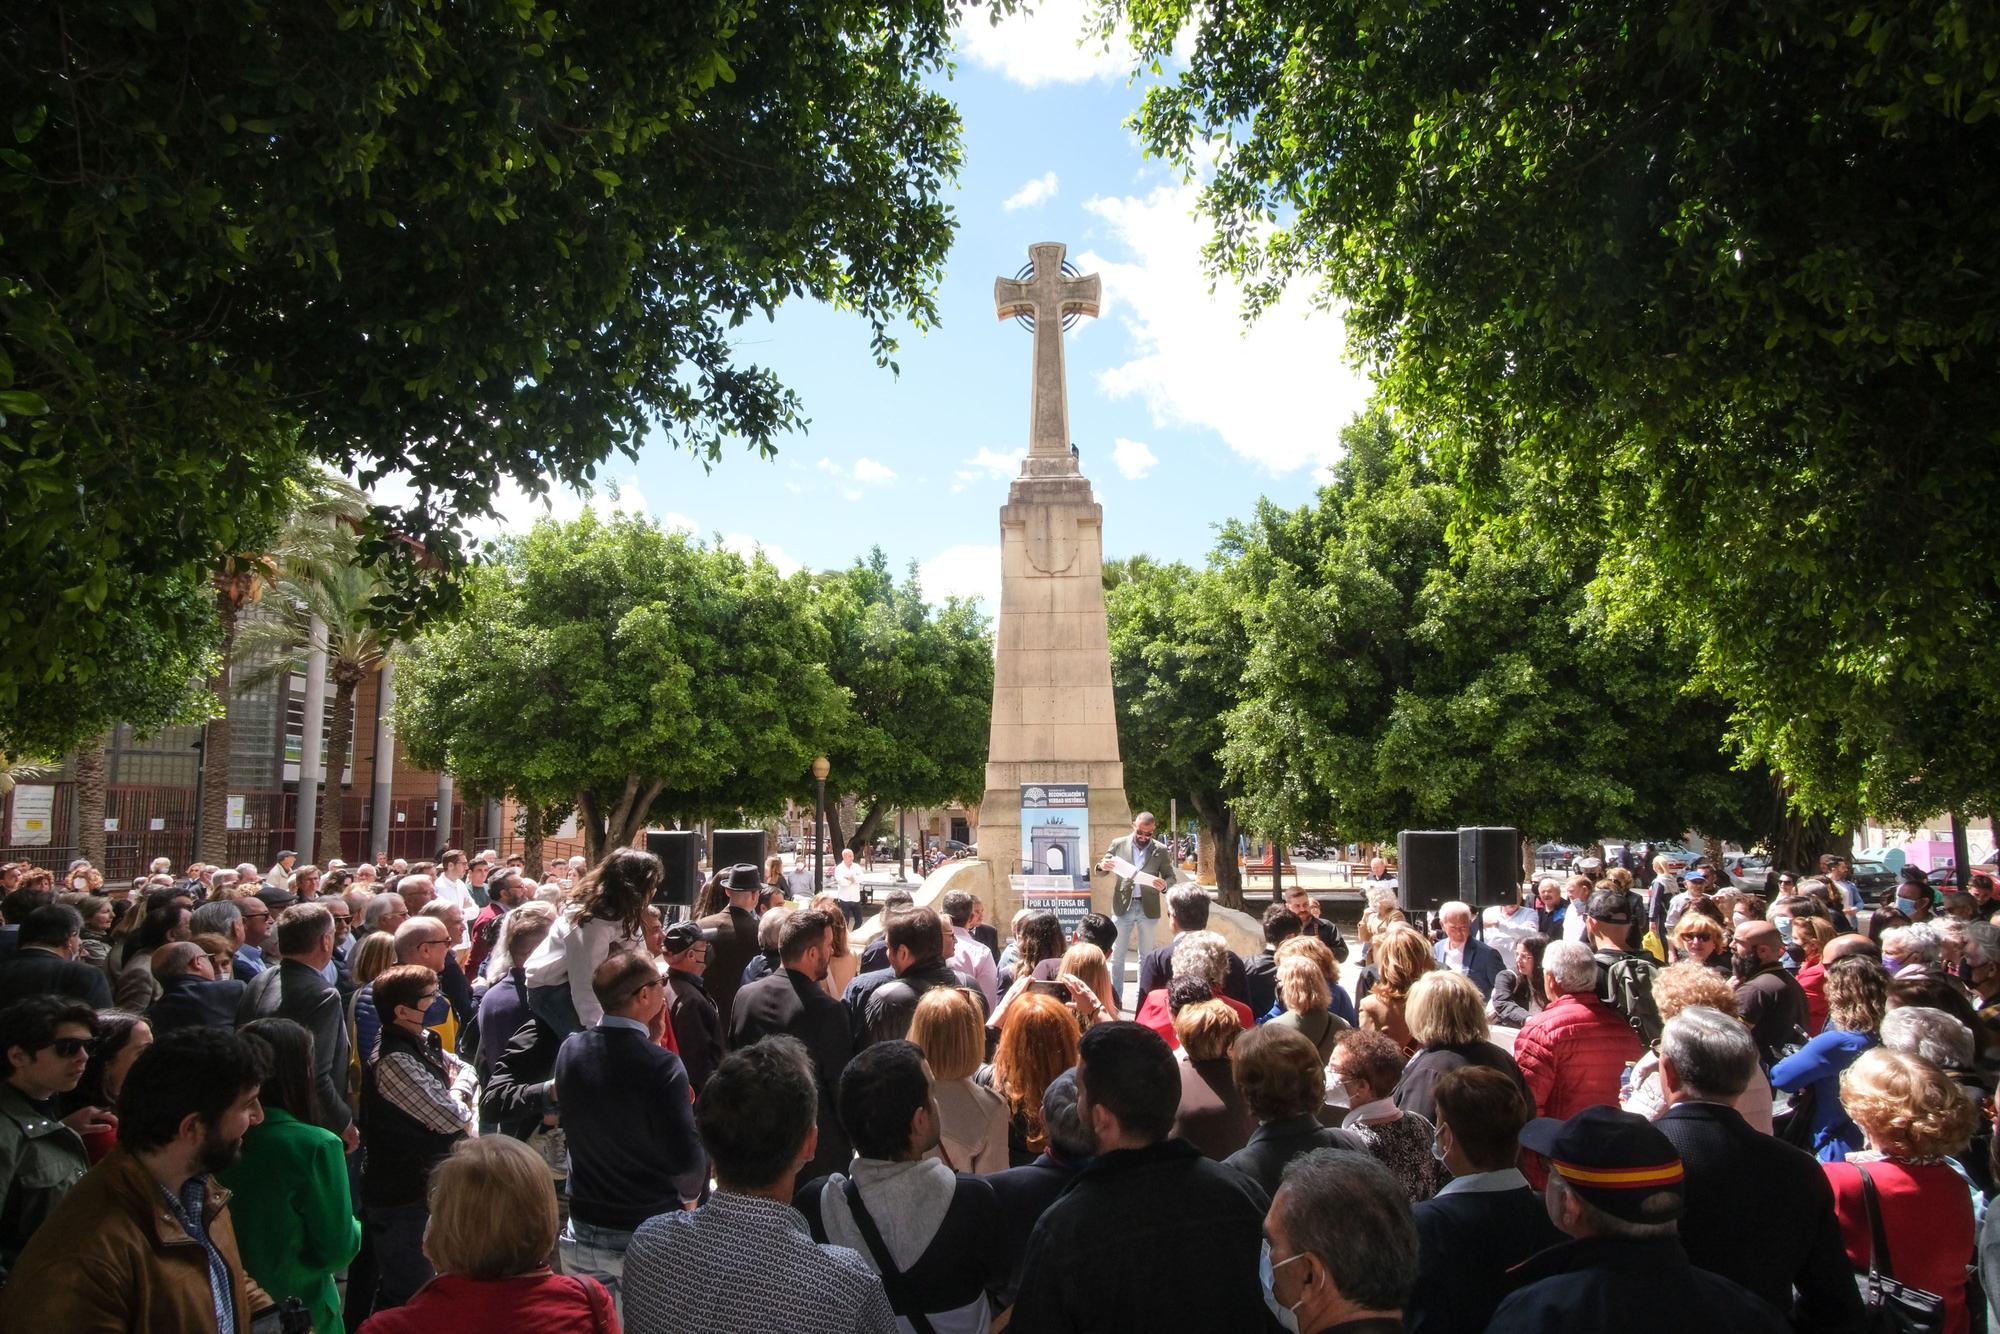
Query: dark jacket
point(192, 1002)
point(1212, 1115)
point(40, 1160)
point(629, 1120)
point(1512, 996)
point(35, 971)
point(1025, 1194)
point(1260, 983)
point(502, 1012)
point(790, 1003)
point(1773, 1003)
point(1275, 1143)
point(1743, 1184)
point(397, 1151)
point(1483, 963)
point(892, 1005)
point(735, 946)
point(1632, 1287)
point(697, 1026)
point(1107, 1255)
point(1157, 969)
point(518, 1088)
point(1466, 1243)
point(298, 993)
point(1416, 1091)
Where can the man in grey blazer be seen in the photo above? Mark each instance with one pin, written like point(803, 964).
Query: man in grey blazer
point(1136, 897)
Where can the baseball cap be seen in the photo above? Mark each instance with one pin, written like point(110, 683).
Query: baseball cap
point(1700, 875)
point(682, 936)
point(1616, 1160)
point(1609, 906)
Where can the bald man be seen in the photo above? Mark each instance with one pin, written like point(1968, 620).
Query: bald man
point(1767, 996)
point(1842, 946)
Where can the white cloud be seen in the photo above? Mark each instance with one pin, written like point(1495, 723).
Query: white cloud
point(966, 572)
point(1134, 460)
point(678, 523)
point(747, 547)
point(1277, 392)
point(1048, 43)
point(1038, 191)
point(868, 470)
point(989, 465)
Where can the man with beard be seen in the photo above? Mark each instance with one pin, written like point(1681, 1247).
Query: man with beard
point(793, 1002)
point(1768, 997)
point(1135, 898)
point(145, 1241)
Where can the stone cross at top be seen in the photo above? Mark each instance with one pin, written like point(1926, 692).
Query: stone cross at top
point(1045, 297)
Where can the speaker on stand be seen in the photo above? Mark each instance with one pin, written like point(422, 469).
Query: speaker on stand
point(678, 851)
point(1426, 869)
point(732, 847)
point(1489, 866)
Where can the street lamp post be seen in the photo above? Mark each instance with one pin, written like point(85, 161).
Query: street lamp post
point(820, 768)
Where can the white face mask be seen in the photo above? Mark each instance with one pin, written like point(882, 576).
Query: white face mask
point(1267, 1274)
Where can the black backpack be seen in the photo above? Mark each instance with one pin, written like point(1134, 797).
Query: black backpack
point(1625, 983)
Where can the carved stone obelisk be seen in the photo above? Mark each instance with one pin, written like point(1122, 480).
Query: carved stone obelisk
point(1053, 718)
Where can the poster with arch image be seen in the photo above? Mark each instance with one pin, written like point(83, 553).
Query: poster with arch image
point(1055, 831)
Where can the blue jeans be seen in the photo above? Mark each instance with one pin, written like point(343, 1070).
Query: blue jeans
point(597, 1252)
point(555, 1007)
point(396, 1236)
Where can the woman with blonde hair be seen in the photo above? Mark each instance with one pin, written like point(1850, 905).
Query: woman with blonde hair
point(1213, 1115)
point(495, 1277)
point(1698, 938)
point(842, 962)
point(1402, 955)
point(1038, 1041)
point(1447, 1020)
point(1307, 999)
point(1312, 947)
point(972, 1121)
point(1914, 1120)
point(1674, 989)
point(1857, 996)
point(1086, 963)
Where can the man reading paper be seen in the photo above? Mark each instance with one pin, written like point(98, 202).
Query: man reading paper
point(1140, 862)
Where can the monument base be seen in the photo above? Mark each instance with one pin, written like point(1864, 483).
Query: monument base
point(1000, 828)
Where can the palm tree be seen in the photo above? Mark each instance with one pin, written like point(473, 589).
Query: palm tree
point(323, 601)
point(90, 794)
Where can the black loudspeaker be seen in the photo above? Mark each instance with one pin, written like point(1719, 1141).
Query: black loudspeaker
point(732, 847)
point(678, 850)
point(1489, 866)
point(1427, 868)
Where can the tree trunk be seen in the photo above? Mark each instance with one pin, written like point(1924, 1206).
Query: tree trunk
point(870, 822)
point(1961, 853)
point(834, 841)
point(1216, 863)
point(531, 840)
point(627, 818)
point(1798, 841)
point(339, 739)
point(592, 826)
point(90, 801)
point(212, 843)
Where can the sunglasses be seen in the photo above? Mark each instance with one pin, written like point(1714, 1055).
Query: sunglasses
point(73, 1047)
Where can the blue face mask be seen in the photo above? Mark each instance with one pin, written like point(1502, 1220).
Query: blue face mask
point(1267, 1274)
point(439, 1012)
point(1906, 906)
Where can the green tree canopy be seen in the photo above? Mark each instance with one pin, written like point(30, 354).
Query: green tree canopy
point(636, 671)
point(1712, 279)
point(1394, 682)
point(919, 682)
point(1177, 670)
point(456, 244)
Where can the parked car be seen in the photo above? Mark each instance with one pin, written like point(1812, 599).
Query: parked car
point(1872, 879)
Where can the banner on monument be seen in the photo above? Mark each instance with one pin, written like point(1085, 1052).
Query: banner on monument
point(1055, 831)
point(34, 815)
point(1052, 893)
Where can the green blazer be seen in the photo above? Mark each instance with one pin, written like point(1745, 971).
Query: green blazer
point(1157, 861)
point(295, 1221)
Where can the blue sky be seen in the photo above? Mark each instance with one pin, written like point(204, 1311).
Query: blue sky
point(1182, 419)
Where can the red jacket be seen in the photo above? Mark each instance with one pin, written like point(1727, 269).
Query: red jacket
point(545, 1302)
point(1812, 980)
point(1927, 1215)
point(1153, 1013)
point(1573, 1053)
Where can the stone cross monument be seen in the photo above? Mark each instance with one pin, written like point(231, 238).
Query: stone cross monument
point(1053, 719)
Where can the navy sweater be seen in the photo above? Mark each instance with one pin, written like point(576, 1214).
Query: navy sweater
point(629, 1120)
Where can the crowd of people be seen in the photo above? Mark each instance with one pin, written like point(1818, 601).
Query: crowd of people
point(441, 1097)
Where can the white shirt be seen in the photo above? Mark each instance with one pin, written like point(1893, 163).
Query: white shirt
point(972, 958)
point(1454, 957)
point(1576, 926)
point(570, 955)
point(847, 881)
point(1477, 1183)
point(456, 892)
point(1505, 929)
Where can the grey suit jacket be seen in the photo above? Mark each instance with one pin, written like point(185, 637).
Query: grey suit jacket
point(298, 993)
point(1157, 862)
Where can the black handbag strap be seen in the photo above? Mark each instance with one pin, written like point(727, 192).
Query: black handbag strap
point(892, 1277)
point(1878, 1250)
